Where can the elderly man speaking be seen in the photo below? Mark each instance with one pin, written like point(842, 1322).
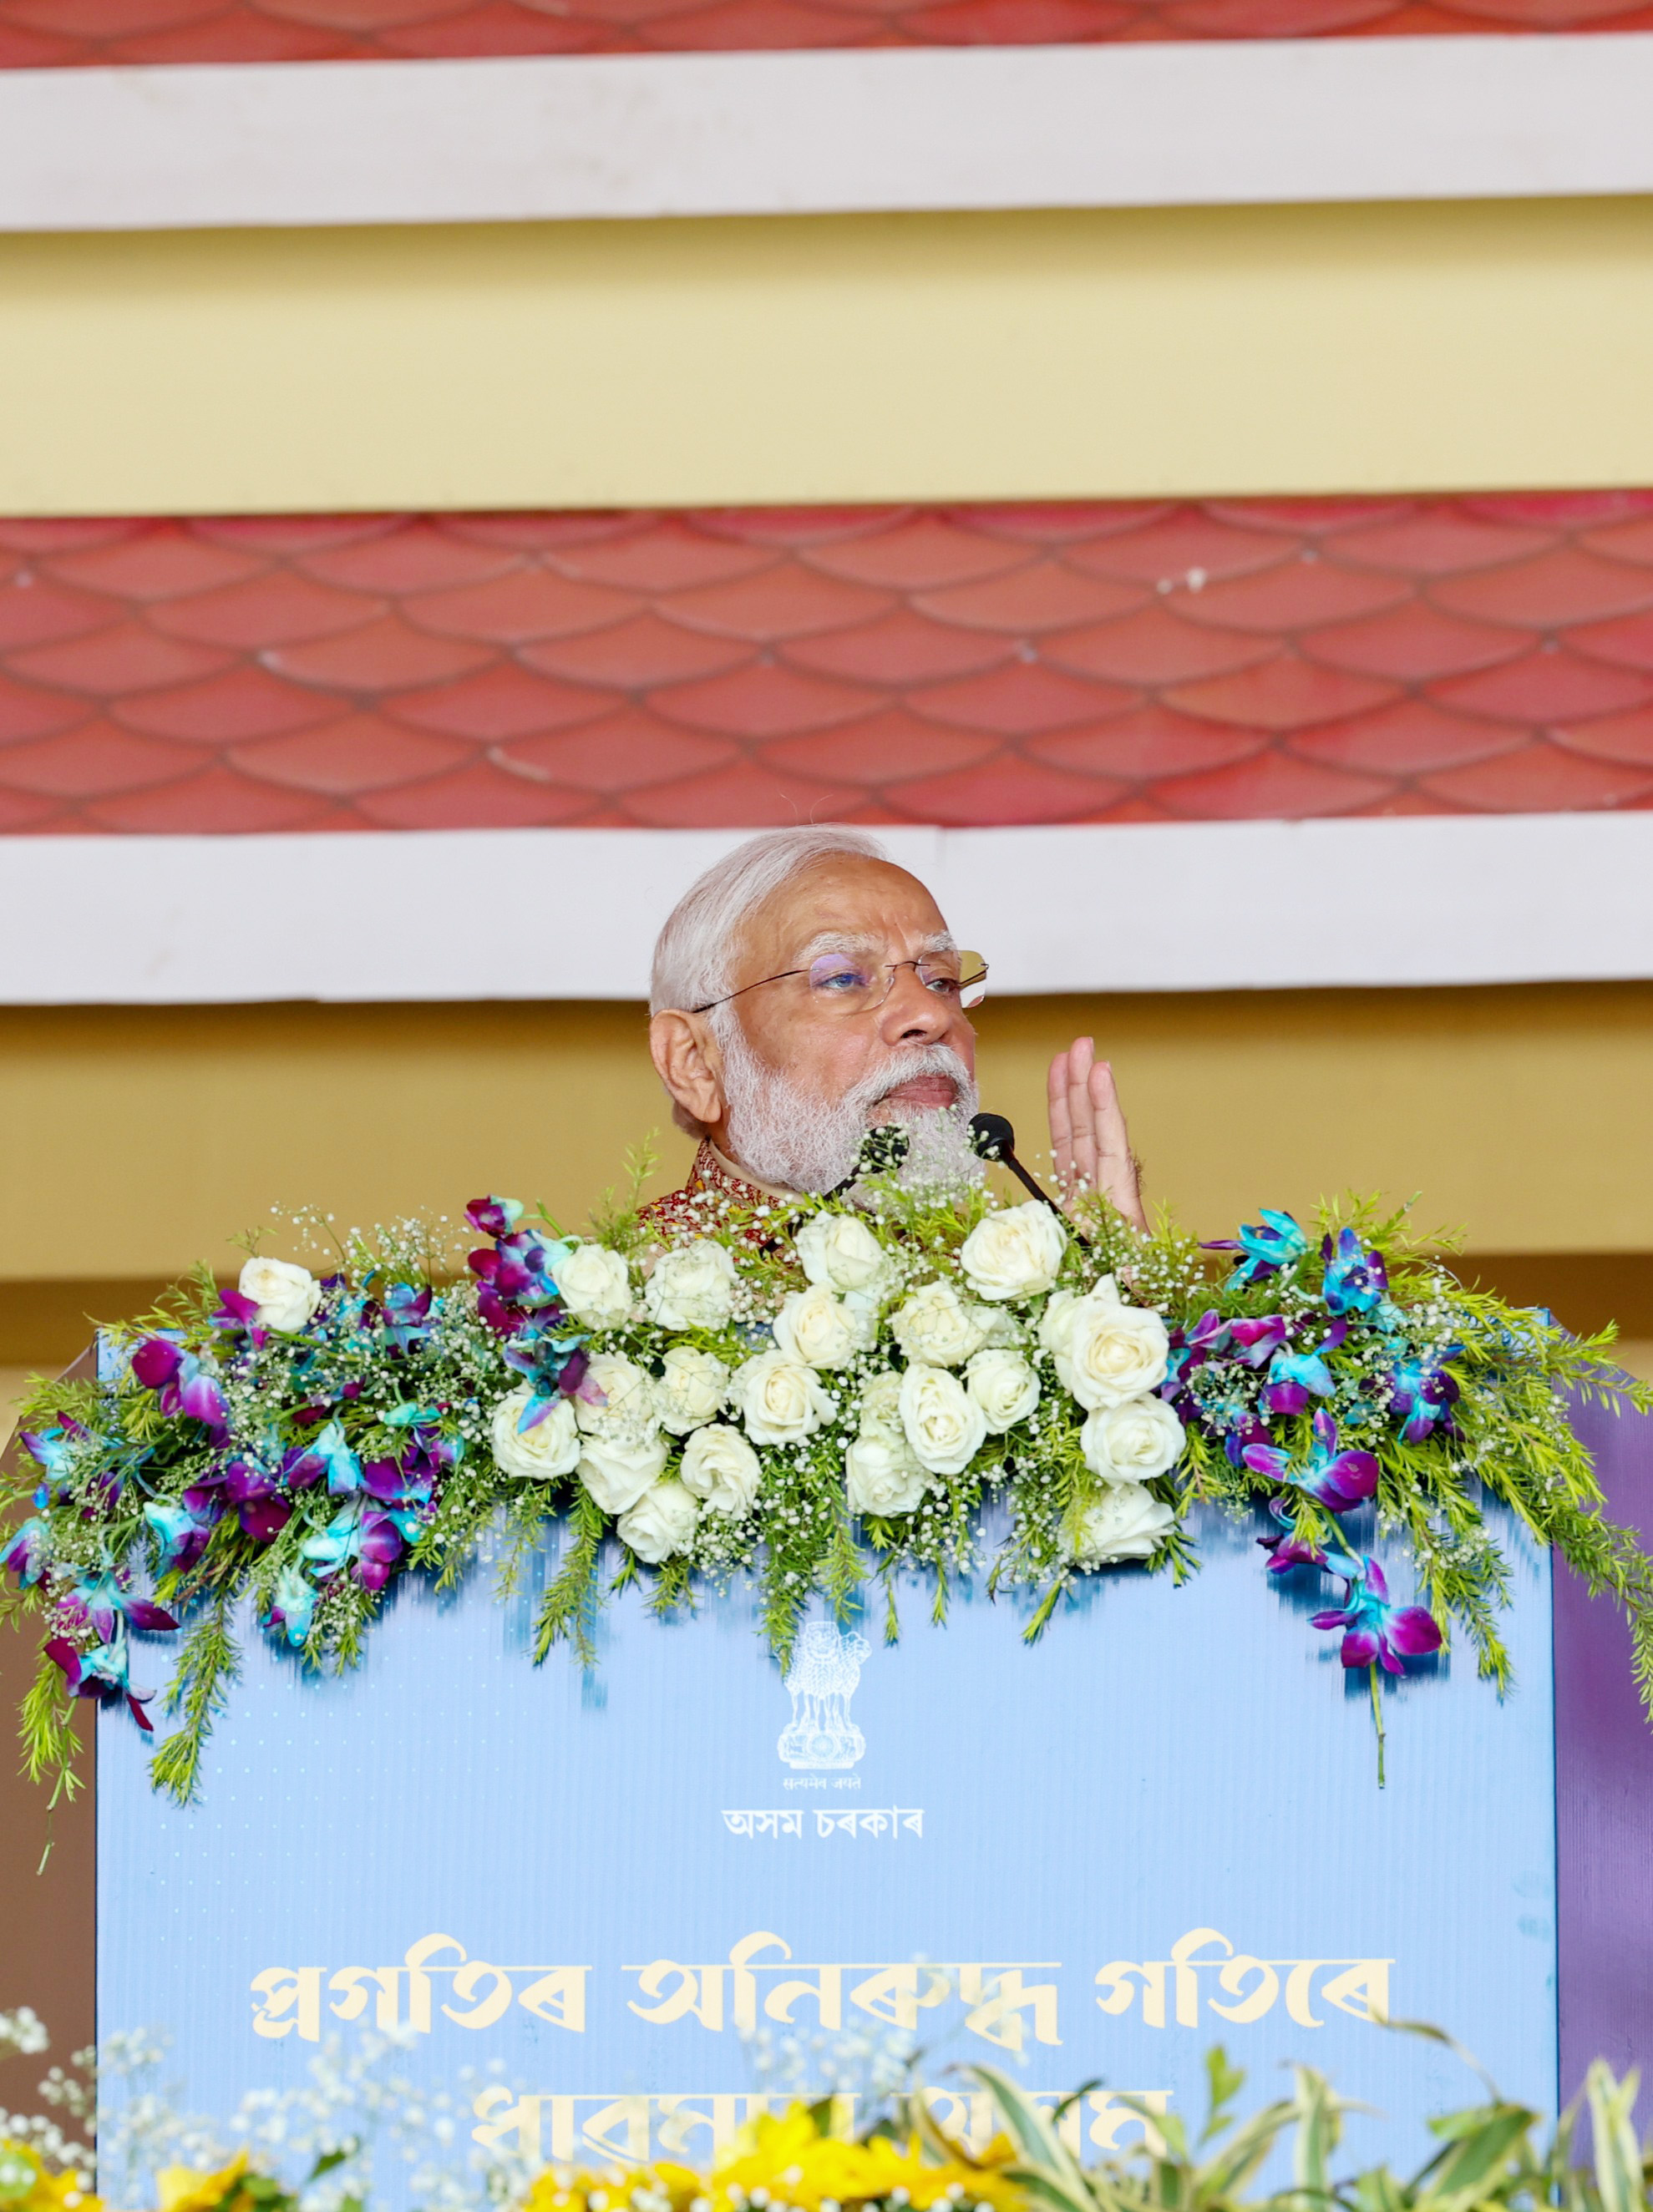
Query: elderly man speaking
point(807, 989)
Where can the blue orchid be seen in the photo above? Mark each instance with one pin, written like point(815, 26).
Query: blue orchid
point(100, 1672)
point(51, 1447)
point(1356, 1278)
point(1189, 1349)
point(1294, 1377)
point(407, 1316)
point(344, 1469)
point(292, 1605)
point(372, 1536)
point(551, 1362)
point(184, 1533)
point(29, 1553)
point(1274, 1243)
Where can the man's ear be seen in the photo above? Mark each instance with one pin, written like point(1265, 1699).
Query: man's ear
point(689, 1064)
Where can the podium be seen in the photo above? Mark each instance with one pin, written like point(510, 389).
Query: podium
point(1085, 1860)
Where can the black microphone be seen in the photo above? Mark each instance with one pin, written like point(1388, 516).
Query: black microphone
point(882, 1151)
point(994, 1139)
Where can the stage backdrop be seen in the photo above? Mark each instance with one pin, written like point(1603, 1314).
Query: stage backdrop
point(1159, 1827)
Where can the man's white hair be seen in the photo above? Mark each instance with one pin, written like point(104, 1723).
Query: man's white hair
point(693, 953)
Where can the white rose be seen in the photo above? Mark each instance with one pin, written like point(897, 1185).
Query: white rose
point(1106, 1351)
point(813, 1325)
point(721, 1466)
point(628, 1397)
point(1004, 1385)
point(693, 1286)
point(944, 1424)
point(935, 1327)
point(691, 1390)
point(551, 1447)
point(1125, 1523)
point(593, 1284)
point(880, 1410)
point(779, 1399)
point(616, 1470)
point(660, 1523)
point(880, 1475)
point(841, 1251)
point(1132, 1443)
point(1015, 1253)
point(286, 1296)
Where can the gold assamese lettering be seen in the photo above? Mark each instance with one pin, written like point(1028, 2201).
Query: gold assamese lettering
point(289, 2000)
point(732, 1992)
point(1247, 1987)
point(693, 2126)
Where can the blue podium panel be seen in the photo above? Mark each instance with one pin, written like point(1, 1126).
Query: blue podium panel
point(1158, 1828)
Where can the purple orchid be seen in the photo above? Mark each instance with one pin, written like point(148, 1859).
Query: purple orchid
point(1375, 1632)
point(1422, 1395)
point(100, 1673)
point(178, 1380)
point(393, 1482)
point(1295, 1377)
point(184, 1531)
point(1274, 1243)
point(238, 1316)
point(102, 1604)
point(1257, 1341)
point(1355, 1280)
point(494, 1217)
point(518, 1276)
point(1243, 1434)
point(258, 1498)
point(1288, 1548)
point(1337, 1479)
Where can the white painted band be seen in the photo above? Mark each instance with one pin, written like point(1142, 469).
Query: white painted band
point(1266, 120)
point(571, 914)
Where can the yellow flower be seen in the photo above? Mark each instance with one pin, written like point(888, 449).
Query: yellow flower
point(782, 2162)
point(184, 2189)
point(792, 2163)
point(559, 2189)
point(26, 2186)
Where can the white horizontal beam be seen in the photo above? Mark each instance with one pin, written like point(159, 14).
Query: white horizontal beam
point(634, 136)
point(571, 914)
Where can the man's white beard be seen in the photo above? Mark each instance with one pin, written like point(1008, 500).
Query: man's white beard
point(783, 1135)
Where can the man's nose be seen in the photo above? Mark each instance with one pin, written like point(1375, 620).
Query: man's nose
point(911, 1014)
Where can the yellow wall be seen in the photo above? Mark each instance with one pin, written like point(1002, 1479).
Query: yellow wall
point(135, 1141)
point(1061, 355)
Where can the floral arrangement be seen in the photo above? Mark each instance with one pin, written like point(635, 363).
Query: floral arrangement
point(812, 1393)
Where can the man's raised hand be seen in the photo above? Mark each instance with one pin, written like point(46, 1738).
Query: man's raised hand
point(1088, 1133)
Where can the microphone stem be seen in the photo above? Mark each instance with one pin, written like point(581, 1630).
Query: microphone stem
point(1007, 1159)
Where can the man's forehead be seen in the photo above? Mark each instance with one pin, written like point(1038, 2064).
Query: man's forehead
point(852, 901)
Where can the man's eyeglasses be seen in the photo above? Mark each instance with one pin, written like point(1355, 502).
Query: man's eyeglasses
point(843, 983)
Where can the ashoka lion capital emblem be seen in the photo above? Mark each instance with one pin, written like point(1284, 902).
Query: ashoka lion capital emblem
point(825, 1669)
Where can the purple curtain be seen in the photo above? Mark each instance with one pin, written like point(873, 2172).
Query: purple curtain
point(1604, 1792)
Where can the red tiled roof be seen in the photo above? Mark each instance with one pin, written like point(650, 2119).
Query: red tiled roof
point(1064, 662)
point(59, 34)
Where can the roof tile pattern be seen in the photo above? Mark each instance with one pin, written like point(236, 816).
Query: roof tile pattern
point(60, 34)
point(1064, 663)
